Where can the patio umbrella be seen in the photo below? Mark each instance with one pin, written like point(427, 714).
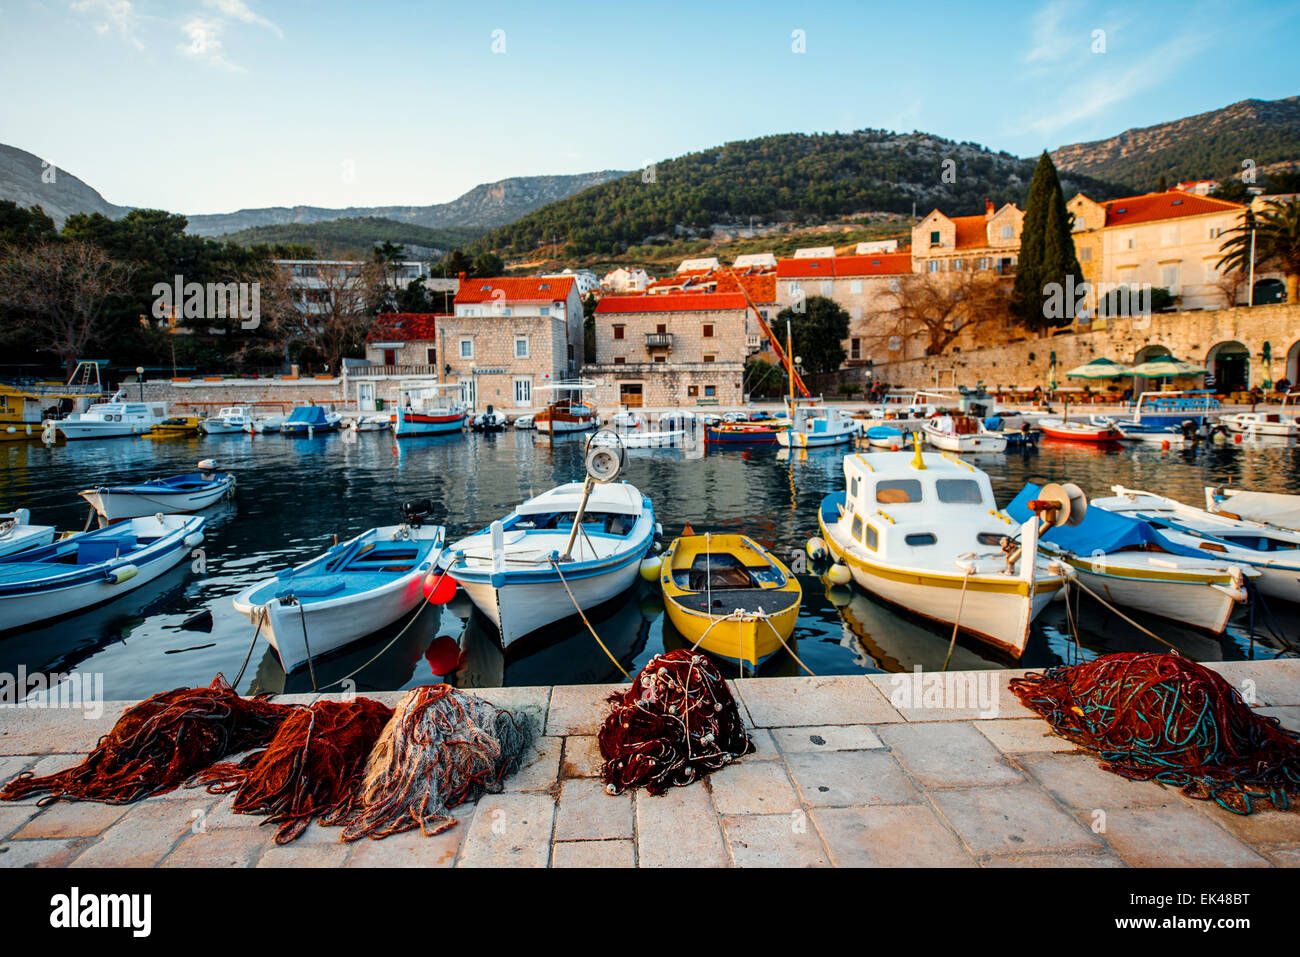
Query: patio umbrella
point(1051, 373)
point(1162, 367)
point(1100, 369)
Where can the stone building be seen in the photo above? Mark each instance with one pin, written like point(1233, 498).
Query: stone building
point(509, 337)
point(670, 349)
point(943, 243)
point(404, 339)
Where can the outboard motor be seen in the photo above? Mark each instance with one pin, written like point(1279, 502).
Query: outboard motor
point(207, 468)
point(1188, 428)
point(415, 513)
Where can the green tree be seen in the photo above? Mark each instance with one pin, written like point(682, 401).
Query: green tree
point(487, 265)
point(23, 227)
point(1047, 256)
point(818, 329)
point(589, 328)
point(1276, 231)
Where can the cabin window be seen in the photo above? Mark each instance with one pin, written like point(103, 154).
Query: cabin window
point(920, 538)
point(988, 538)
point(873, 537)
point(958, 491)
point(857, 527)
point(853, 487)
point(898, 491)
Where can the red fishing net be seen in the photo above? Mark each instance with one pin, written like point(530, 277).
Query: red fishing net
point(159, 743)
point(677, 721)
point(310, 768)
point(442, 748)
point(1165, 718)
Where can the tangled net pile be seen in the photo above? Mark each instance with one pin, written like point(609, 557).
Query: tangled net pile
point(442, 748)
point(311, 768)
point(159, 743)
point(677, 721)
point(1166, 718)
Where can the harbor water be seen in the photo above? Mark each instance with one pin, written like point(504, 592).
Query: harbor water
point(296, 495)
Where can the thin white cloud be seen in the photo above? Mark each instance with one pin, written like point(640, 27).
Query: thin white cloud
point(1048, 40)
point(103, 15)
point(238, 10)
point(204, 43)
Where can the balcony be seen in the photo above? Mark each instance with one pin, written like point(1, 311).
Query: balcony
point(658, 340)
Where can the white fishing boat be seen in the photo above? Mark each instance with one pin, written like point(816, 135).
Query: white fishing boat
point(1127, 561)
point(962, 433)
point(626, 420)
point(650, 439)
point(814, 424)
point(17, 533)
point(366, 423)
point(575, 547)
point(888, 437)
point(923, 530)
point(176, 494)
point(108, 420)
point(1262, 423)
point(525, 422)
point(352, 590)
point(264, 424)
point(79, 572)
point(231, 419)
point(1277, 509)
point(1274, 552)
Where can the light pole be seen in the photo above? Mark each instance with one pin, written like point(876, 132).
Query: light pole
point(139, 378)
point(1250, 221)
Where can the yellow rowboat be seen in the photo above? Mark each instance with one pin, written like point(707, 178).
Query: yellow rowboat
point(176, 425)
point(729, 596)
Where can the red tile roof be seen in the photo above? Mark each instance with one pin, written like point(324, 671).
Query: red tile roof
point(830, 267)
point(760, 286)
point(671, 302)
point(507, 289)
point(972, 231)
point(1153, 207)
point(404, 327)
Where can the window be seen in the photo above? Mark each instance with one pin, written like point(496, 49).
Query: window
point(1216, 232)
point(521, 347)
point(1132, 243)
point(431, 355)
point(709, 358)
point(857, 527)
point(467, 348)
point(710, 390)
point(1085, 254)
point(853, 487)
point(920, 538)
point(935, 237)
point(692, 390)
point(661, 358)
point(898, 491)
point(855, 348)
point(620, 360)
point(618, 332)
point(958, 491)
point(390, 357)
point(933, 265)
point(570, 351)
point(827, 287)
point(545, 310)
point(873, 538)
point(1169, 276)
point(661, 330)
point(523, 391)
point(708, 330)
point(894, 285)
point(958, 265)
point(855, 285)
point(1008, 232)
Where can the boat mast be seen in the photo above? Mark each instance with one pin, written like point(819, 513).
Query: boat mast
point(767, 331)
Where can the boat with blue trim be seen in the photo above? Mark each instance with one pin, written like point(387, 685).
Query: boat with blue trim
point(310, 420)
point(350, 591)
point(430, 410)
point(91, 568)
point(578, 544)
point(190, 492)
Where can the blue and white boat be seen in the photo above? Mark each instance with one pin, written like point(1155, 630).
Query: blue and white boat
point(426, 410)
point(190, 492)
point(590, 538)
point(814, 425)
point(17, 533)
point(351, 591)
point(888, 437)
point(310, 420)
point(92, 568)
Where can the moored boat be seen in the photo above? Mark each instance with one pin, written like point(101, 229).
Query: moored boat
point(570, 412)
point(744, 433)
point(175, 425)
point(814, 425)
point(176, 494)
point(348, 592)
point(310, 420)
point(79, 572)
point(729, 596)
point(116, 418)
point(1076, 431)
point(962, 433)
point(231, 419)
point(17, 533)
point(430, 410)
point(1278, 509)
point(888, 437)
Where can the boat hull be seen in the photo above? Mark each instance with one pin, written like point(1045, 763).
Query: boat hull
point(407, 424)
point(791, 439)
point(1191, 600)
point(117, 504)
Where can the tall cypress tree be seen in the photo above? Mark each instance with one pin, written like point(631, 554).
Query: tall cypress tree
point(1047, 255)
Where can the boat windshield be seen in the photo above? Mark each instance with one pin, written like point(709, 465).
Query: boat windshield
point(898, 491)
point(610, 523)
point(959, 491)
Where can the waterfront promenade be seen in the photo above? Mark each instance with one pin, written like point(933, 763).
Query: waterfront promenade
point(842, 777)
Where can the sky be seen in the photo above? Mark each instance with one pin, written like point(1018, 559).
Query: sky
point(207, 106)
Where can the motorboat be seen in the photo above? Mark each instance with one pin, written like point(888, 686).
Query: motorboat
point(436, 409)
point(91, 568)
point(962, 433)
point(489, 420)
point(176, 425)
point(1262, 423)
point(344, 594)
point(888, 437)
point(814, 425)
point(1275, 509)
point(678, 419)
point(1019, 438)
point(525, 422)
point(1078, 431)
point(570, 412)
point(310, 420)
point(177, 494)
point(649, 439)
point(1275, 552)
point(265, 424)
point(569, 549)
point(17, 533)
point(923, 530)
point(366, 423)
point(231, 419)
point(730, 596)
point(1129, 562)
point(116, 418)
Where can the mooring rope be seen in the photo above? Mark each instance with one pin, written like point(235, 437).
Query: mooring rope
point(961, 605)
point(583, 615)
point(1146, 631)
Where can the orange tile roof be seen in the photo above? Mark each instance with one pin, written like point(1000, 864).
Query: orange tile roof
point(404, 327)
point(829, 267)
point(547, 289)
point(760, 286)
point(972, 231)
point(823, 266)
point(1153, 207)
point(671, 302)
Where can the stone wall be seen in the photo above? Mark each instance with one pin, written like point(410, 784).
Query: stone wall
point(1194, 336)
point(662, 385)
point(271, 396)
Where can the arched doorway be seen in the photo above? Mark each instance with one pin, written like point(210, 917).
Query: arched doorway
point(1229, 363)
point(1269, 291)
point(1292, 372)
point(1143, 383)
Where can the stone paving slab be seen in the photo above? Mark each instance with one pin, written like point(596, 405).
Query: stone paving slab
point(841, 777)
point(1275, 682)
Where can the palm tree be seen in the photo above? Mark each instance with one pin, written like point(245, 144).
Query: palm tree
point(1276, 230)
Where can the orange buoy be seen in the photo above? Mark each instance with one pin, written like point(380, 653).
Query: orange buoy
point(439, 587)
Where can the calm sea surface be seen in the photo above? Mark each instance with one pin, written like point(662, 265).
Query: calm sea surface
point(295, 495)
